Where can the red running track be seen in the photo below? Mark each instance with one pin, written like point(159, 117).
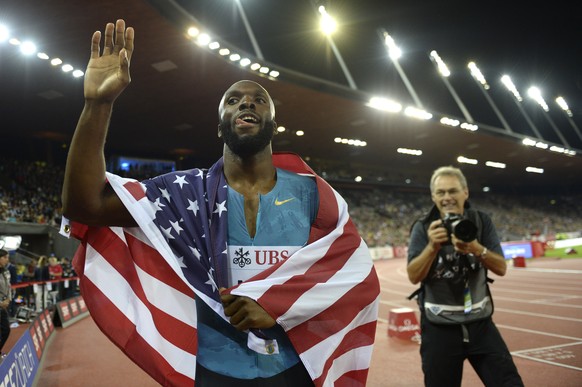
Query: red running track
point(538, 310)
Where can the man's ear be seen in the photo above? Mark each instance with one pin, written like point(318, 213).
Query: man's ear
point(275, 126)
point(219, 133)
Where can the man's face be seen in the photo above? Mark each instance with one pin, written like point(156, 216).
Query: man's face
point(4, 260)
point(449, 195)
point(246, 118)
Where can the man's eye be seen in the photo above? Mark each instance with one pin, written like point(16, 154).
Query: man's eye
point(261, 100)
point(232, 101)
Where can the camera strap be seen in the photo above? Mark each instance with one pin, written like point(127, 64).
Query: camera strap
point(467, 298)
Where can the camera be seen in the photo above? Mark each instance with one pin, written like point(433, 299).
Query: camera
point(462, 228)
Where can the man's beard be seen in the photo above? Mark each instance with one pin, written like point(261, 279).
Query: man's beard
point(249, 145)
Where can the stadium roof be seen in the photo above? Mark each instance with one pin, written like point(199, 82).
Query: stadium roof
point(323, 86)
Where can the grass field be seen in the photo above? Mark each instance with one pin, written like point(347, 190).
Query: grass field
point(562, 253)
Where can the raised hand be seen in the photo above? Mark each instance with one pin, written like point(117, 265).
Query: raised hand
point(107, 74)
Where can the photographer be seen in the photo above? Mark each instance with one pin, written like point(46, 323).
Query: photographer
point(5, 299)
point(450, 252)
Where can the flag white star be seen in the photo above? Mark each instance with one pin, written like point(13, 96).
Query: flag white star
point(195, 252)
point(181, 180)
point(193, 206)
point(220, 208)
point(181, 262)
point(165, 194)
point(211, 282)
point(158, 205)
point(167, 232)
point(200, 174)
point(176, 226)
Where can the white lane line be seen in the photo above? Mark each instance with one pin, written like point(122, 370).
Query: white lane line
point(549, 362)
point(531, 292)
point(548, 347)
point(538, 332)
point(547, 302)
point(553, 317)
point(542, 270)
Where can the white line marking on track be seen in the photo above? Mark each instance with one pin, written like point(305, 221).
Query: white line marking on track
point(538, 332)
point(539, 315)
point(548, 347)
point(549, 362)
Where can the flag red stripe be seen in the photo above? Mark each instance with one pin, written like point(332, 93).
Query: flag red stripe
point(135, 189)
point(360, 336)
point(172, 329)
point(281, 298)
point(150, 261)
point(337, 316)
point(122, 332)
point(327, 214)
point(356, 378)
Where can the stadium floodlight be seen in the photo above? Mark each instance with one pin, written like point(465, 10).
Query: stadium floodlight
point(441, 65)
point(327, 23)
point(394, 52)
point(445, 73)
point(536, 94)
point(450, 121)
point(28, 48)
point(385, 104)
point(478, 75)
point(4, 33)
point(534, 170)
point(506, 80)
point(466, 160)
point(193, 31)
point(203, 39)
point(495, 164)
point(411, 152)
point(420, 114)
point(564, 106)
point(566, 109)
point(481, 81)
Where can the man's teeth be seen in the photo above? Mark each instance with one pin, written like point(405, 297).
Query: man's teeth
point(249, 119)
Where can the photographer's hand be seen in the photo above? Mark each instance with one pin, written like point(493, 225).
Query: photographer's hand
point(473, 247)
point(419, 266)
point(490, 259)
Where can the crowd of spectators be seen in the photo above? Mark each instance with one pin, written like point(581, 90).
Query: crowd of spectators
point(30, 192)
point(384, 216)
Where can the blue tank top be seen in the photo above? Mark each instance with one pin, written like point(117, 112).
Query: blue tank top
point(284, 220)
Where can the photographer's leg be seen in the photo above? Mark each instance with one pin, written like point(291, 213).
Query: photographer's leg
point(442, 354)
point(490, 356)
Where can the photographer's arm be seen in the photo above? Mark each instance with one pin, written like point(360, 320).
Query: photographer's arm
point(490, 259)
point(86, 195)
point(419, 266)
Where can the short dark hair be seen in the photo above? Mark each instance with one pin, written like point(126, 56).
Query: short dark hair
point(3, 252)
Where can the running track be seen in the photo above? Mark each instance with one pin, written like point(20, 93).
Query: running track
point(538, 310)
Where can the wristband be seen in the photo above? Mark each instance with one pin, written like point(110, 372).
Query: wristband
point(483, 255)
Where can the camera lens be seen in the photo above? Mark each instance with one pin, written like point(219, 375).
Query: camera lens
point(465, 230)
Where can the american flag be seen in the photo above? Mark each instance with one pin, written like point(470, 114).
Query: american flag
point(140, 283)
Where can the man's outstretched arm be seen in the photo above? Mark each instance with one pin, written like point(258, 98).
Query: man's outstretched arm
point(86, 196)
